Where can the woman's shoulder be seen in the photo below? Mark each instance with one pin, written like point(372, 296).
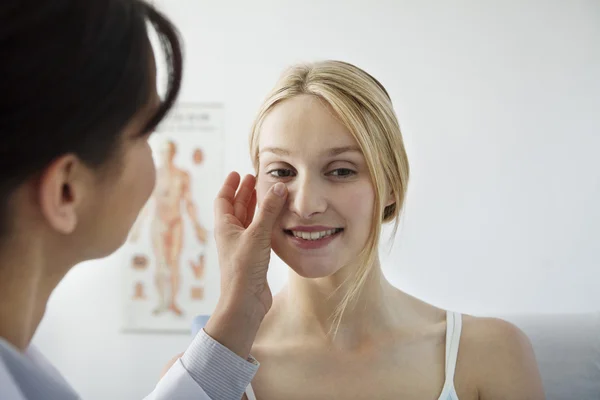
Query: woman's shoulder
point(476, 332)
point(485, 331)
point(493, 341)
point(500, 357)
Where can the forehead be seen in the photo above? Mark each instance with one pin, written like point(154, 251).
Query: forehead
point(304, 122)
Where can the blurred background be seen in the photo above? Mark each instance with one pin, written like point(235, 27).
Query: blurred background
point(499, 103)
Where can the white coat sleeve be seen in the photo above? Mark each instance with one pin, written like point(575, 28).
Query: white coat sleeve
point(206, 371)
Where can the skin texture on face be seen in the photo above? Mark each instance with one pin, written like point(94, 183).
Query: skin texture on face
point(304, 145)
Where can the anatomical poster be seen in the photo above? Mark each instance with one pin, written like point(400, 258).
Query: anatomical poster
point(169, 262)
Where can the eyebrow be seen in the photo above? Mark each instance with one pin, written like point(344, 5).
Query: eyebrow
point(334, 151)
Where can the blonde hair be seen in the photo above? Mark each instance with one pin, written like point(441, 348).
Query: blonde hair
point(363, 105)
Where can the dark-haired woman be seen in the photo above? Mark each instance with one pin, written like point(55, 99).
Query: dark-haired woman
point(78, 101)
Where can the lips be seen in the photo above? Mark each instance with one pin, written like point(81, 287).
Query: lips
point(314, 235)
point(312, 238)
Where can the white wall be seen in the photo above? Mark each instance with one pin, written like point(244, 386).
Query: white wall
point(500, 107)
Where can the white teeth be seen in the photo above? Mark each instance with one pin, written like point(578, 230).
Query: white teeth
point(314, 235)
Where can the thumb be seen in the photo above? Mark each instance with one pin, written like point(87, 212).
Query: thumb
point(269, 210)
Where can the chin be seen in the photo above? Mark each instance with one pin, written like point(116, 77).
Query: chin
point(110, 245)
point(309, 270)
point(312, 273)
point(310, 264)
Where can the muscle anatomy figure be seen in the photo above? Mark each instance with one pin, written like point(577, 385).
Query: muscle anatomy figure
point(171, 200)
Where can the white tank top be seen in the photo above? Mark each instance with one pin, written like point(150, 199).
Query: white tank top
point(453, 330)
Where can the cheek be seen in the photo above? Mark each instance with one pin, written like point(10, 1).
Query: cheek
point(358, 203)
point(143, 173)
point(139, 176)
point(149, 171)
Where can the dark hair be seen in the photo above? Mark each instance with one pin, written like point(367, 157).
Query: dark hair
point(72, 74)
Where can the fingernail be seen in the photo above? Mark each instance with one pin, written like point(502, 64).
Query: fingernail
point(279, 189)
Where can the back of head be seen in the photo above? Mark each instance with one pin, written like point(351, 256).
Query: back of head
point(73, 73)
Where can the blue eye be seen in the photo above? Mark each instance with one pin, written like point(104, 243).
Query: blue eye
point(281, 173)
point(342, 172)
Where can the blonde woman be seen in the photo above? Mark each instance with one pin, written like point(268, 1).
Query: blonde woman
point(339, 329)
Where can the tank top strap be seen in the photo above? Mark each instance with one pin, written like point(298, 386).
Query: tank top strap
point(453, 331)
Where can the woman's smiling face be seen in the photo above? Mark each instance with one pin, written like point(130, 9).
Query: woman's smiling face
point(328, 215)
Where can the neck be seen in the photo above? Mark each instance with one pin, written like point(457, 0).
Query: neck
point(310, 305)
point(25, 287)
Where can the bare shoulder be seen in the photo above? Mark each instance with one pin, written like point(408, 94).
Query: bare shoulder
point(500, 358)
point(168, 366)
point(483, 331)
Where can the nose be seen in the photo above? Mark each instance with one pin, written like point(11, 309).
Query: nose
point(307, 197)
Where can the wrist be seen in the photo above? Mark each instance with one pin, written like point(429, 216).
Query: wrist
point(235, 325)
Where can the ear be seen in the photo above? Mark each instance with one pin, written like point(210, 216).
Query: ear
point(390, 200)
point(60, 192)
